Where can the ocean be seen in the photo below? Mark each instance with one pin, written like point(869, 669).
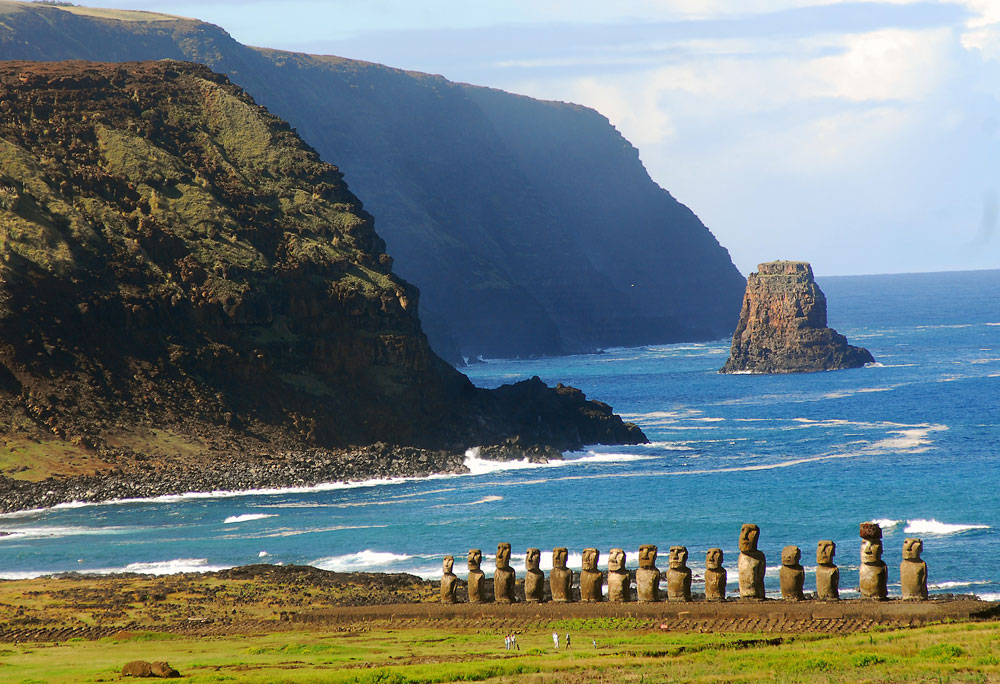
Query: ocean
point(912, 442)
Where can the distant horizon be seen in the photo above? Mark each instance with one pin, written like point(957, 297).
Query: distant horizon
point(864, 135)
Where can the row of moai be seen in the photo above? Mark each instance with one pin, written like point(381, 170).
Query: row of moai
point(872, 580)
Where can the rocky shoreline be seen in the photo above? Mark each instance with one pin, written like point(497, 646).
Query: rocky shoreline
point(136, 478)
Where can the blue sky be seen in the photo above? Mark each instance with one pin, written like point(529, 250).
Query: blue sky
point(861, 136)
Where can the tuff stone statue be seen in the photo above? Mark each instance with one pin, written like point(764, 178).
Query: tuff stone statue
point(449, 581)
point(647, 577)
point(534, 579)
point(477, 578)
point(827, 574)
point(503, 578)
point(678, 575)
point(751, 564)
point(913, 571)
point(873, 577)
point(791, 576)
point(715, 576)
point(591, 579)
point(619, 579)
point(561, 577)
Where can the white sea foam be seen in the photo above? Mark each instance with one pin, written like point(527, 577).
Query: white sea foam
point(482, 466)
point(169, 567)
point(956, 584)
point(247, 517)
point(484, 500)
point(993, 324)
point(263, 554)
point(887, 523)
point(361, 561)
point(989, 596)
point(934, 527)
point(61, 531)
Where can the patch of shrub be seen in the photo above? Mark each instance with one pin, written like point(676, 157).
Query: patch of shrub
point(943, 652)
point(868, 660)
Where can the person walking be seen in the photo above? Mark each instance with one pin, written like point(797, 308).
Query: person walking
point(555, 640)
point(567, 641)
point(506, 642)
point(513, 642)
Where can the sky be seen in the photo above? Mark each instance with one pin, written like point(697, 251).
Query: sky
point(861, 136)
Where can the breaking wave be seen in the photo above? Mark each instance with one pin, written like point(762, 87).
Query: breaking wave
point(939, 528)
point(247, 517)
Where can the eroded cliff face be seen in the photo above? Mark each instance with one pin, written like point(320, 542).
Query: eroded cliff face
point(530, 227)
point(173, 257)
point(782, 326)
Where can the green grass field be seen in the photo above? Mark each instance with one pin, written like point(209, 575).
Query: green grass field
point(968, 652)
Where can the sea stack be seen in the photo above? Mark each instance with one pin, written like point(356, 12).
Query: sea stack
point(782, 326)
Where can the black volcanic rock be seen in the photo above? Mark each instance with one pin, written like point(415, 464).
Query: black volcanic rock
point(782, 326)
point(530, 227)
point(180, 274)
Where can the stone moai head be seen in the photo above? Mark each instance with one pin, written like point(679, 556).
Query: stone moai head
point(590, 558)
point(503, 555)
point(871, 551)
point(790, 556)
point(713, 559)
point(678, 557)
point(912, 549)
point(559, 556)
point(475, 558)
point(825, 551)
point(532, 559)
point(616, 560)
point(749, 535)
point(448, 564)
point(647, 556)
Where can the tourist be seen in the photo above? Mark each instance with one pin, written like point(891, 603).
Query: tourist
point(555, 640)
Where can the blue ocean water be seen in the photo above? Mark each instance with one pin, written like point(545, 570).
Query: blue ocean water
point(912, 442)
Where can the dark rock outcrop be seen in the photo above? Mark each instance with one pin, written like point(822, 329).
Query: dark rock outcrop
point(782, 326)
point(181, 274)
point(530, 227)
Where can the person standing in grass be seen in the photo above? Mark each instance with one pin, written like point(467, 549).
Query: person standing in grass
point(567, 641)
point(555, 640)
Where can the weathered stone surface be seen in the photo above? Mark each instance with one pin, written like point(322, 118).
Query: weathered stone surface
point(163, 670)
point(678, 575)
point(715, 576)
point(561, 577)
point(792, 575)
point(619, 579)
point(647, 577)
point(137, 668)
point(913, 571)
point(534, 578)
point(503, 577)
point(591, 579)
point(870, 530)
point(751, 564)
point(477, 578)
point(873, 577)
point(449, 581)
point(782, 326)
point(827, 574)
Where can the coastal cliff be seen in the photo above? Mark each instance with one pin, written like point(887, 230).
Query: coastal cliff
point(530, 227)
point(186, 287)
point(782, 326)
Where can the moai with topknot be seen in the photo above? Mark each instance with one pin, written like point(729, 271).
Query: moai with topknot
point(534, 578)
point(647, 577)
point(561, 577)
point(827, 574)
point(591, 579)
point(913, 571)
point(715, 576)
point(791, 576)
point(503, 578)
point(449, 581)
point(678, 575)
point(751, 564)
point(619, 579)
point(873, 578)
point(477, 578)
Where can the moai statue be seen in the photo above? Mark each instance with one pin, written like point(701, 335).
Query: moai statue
point(647, 577)
point(534, 579)
point(827, 574)
point(913, 571)
point(591, 579)
point(448, 580)
point(791, 576)
point(874, 575)
point(679, 575)
point(503, 578)
point(752, 564)
point(561, 577)
point(476, 577)
point(619, 579)
point(715, 576)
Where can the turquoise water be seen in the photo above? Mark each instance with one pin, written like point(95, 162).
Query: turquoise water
point(913, 442)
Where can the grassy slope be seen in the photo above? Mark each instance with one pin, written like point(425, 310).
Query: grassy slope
point(946, 653)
